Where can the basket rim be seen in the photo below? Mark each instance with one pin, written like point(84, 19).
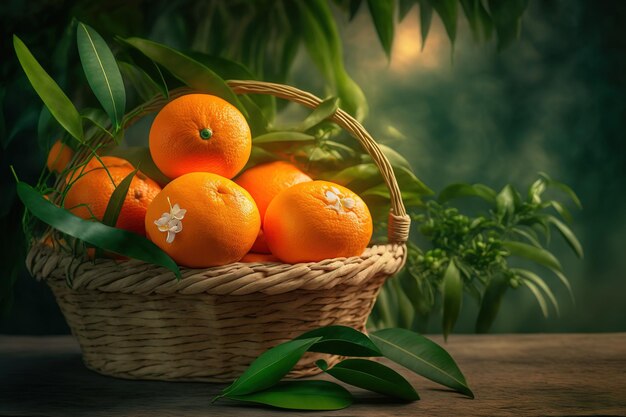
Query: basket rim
point(133, 276)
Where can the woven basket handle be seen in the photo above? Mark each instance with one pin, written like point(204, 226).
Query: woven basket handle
point(399, 222)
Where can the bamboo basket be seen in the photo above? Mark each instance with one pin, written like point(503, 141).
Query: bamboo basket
point(135, 320)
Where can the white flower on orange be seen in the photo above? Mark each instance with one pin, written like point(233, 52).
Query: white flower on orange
point(171, 223)
point(336, 201)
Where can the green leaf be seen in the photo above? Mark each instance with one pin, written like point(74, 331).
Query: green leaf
point(446, 9)
point(300, 395)
point(540, 283)
point(394, 157)
point(490, 303)
point(187, 70)
point(506, 201)
point(568, 235)
point(55, 100)
point(507, 18)
point(116, 201)
point(354, 8)
point(404, 7)
point(94, 233)
point(467, 190)
point(232, 70)
point(528, 234)
point(372, 376)
point(322, 112)
point(540, 299)
point(422, 356)
point(341, 340)
point(270, 367)
point(426, 18)
point(478, 18)
point(145, 86)
point(382, 12)
point(533, 253)
point(563, 187)
point(452, 297)
point(102, 72)
point(563, 212)
point(282, 138)
point(140, 156)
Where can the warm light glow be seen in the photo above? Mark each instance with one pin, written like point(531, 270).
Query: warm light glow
point(407, 54)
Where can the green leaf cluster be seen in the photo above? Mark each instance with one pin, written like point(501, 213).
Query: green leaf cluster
point(478, 254)
point(262, 382)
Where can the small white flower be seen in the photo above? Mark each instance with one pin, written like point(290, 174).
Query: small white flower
point(336, 201)
point(171, 223)
point(348, 203)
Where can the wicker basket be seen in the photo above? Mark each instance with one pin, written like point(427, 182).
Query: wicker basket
point(134, 320)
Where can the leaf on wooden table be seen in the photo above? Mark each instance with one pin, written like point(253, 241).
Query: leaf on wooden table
point(372, 376)
point(422, 356)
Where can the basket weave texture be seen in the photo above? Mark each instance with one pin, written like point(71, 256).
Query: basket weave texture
point(135, 320)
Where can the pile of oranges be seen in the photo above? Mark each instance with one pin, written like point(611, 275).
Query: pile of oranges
point(202, 218)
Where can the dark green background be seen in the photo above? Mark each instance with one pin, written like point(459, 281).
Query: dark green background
point(554, 101)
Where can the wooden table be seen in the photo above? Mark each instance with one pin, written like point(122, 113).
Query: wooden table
point(511, 375)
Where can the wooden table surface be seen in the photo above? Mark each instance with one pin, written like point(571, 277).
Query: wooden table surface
point(511, 375)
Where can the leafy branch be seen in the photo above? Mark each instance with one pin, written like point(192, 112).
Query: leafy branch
point(472, 254)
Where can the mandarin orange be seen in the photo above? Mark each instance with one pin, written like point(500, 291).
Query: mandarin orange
point(202, 219)
point(59, 157)
point(89, 194)
point(200, 133)
point(317, 220)
point(266, 181)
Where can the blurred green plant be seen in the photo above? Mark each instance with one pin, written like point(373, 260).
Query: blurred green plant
point(201, 44)
point(474, 255)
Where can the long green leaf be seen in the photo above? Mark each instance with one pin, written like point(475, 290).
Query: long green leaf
point(447, 11)
point(540, 283)
point(50, 93)
point(538, 295)
point(383, 14)
point(426, 18)
point(114, 206)
point(568, 235)
point(102, 72)
point(452, 297)
point(94, 233)
point(231, 70)
point(145, 86)
point(322, 112)
point(422, 356)
point(533, 253)
point(270, 367)
point(300, 395)
point(341, 340)
point(490, 303)
point(186, 69)
point(372, 376)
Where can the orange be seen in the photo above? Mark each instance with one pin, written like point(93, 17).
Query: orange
point(59, 157)
point(317, 220)
point(200, 133)
point(89, 195)
point(202, 219)
point(266, 181)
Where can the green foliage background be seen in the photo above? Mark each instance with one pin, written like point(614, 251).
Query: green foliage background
point(553, 101)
